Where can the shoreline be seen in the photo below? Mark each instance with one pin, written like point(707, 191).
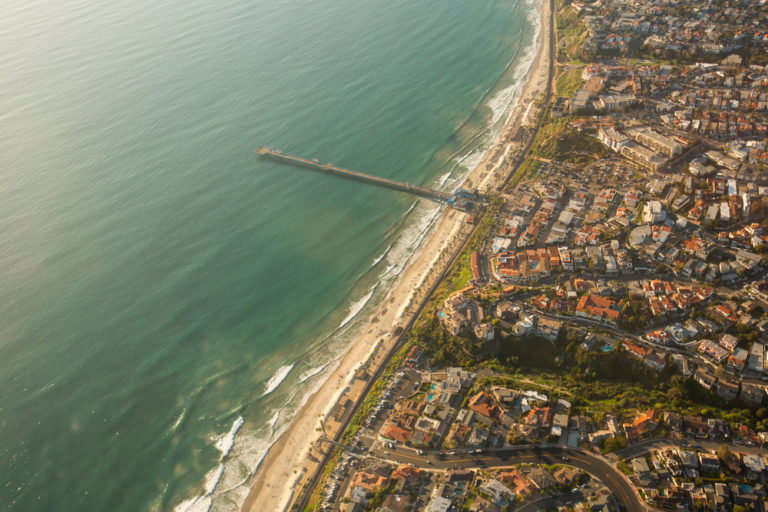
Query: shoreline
point(287, 463)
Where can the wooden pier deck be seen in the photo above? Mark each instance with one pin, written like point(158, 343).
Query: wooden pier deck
point(354, 175)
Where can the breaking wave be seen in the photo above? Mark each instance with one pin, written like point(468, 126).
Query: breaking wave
point(358, 306)
point(277, 378)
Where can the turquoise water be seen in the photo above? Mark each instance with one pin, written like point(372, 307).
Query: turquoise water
point(167, 298)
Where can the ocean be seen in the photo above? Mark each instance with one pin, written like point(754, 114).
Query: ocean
point(168, 299)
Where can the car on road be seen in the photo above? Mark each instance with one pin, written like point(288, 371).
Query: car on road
point(566, 459)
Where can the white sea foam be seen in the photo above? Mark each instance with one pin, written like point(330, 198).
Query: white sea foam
point(273, 420)
point(383, 255)
point(178, 422)
point(212, 479)
point(277, 378)
point(312, 372)
point(224, 443)
point(389, 269)
point(444, 178)
point(226, 486)
point(199, 504)
point(358, 306)
point(471, 160)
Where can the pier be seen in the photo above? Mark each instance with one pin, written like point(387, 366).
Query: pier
point(314, 165)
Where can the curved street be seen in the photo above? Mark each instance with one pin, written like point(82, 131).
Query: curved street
point(596, 466)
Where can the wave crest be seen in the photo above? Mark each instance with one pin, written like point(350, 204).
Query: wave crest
point(358, 306)
point(277, 378)
point(225, 442)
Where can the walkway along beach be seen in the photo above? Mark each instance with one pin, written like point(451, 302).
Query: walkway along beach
point(288, 465)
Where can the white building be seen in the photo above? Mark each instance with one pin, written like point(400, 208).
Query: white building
point(753, 462)
point(501, 244)
point(439, 504)
point(612, 138)
point(653, 212)
point(725, 212)
point(745, 204)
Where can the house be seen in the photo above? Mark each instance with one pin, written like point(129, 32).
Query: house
point(522, 486)
point(414, 355)
point(738, 360)
point(695, 426)
point(507, 310)
point(673, 420)
point(484, 331)
point(406, 472)
point(752, 394)
point(634, 349)
point(482, 403)
point(727, 389)
point(688, 459)
point(747, 435)
point(458, 434)
point(548, 328)
point(729, 341)
point(559, 424)
point(500, 493)
point(566, 475)
point(733, 463)
point(709, 463)
point(641, 469)
point(653, 212)
point(368, 481)
point(656, 360)
point(539, 417)
point(358, 496)
point(598, 308)
point(439, 504)
point(396, 503)
point(644, 423)
point(713, 351)
point(718, 428)
point(704, 377)
point(542, 478)
point(756, 360)
point(398, 428)
point(753, 462)
point(481, 504)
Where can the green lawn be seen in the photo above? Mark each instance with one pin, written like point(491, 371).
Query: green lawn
point(568, 81)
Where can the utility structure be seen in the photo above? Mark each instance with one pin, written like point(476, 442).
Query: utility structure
point(461, 199)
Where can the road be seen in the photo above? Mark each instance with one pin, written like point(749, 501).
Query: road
point(503, 457)
point(639, 448)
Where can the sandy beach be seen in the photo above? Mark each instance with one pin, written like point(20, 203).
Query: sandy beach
point(290, 460)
